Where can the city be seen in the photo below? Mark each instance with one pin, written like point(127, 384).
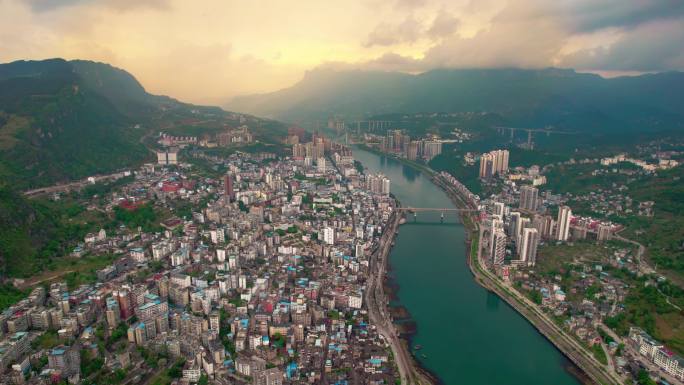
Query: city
point(264, 281)
point(406, 192)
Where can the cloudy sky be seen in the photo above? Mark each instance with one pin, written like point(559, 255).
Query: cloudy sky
point(206, 51)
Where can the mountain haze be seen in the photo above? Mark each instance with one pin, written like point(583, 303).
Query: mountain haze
point(558, 97)
point(62, 120)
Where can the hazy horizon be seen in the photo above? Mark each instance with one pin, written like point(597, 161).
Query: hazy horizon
point(216, 50)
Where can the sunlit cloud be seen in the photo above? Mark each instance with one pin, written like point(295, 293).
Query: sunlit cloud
point(208, 51)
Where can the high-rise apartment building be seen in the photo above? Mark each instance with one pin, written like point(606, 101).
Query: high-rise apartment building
point(329, 235)
point(431, 149)
point(544, 225)
point(412, 150)
point(604, 232)
point(514, 224)
point(321, 165)
point(494, 162)
point(498, 247)
point(528, 249)
point(123, 297)
point(378, 184)
point(486, 163)
point(563, 223)
point(499, 209)
point(496, 226)
point(522, 224)
point(113, 313)
point(167, 156)
point(529, 198)
point(299, 150)
point(228, 187)
point(502, 161)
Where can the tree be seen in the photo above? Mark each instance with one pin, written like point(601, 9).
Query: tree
point(643, 378)
point(176, 371)
point(278, 340)
point(536, 297)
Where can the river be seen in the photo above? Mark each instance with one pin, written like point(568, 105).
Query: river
point(468, 335)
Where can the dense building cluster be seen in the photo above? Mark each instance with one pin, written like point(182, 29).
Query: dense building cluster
point(514, 234)
point(398, 143)
point(262, 281)
point(581, 286)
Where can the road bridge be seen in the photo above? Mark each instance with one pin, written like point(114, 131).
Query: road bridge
point(548, 131)
point(372, 125)
point(435, 209)
point(441, 210)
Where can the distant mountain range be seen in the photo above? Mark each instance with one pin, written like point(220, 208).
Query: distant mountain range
point(533, 98)
point(63, 120)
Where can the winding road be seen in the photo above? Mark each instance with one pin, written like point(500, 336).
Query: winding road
point(377, 309)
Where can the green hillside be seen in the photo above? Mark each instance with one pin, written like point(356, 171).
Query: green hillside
point(63, 120)
point(54, 126)
point(530, 98)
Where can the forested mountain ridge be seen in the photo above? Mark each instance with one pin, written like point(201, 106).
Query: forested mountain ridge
point(561, 98)
point(64, 120)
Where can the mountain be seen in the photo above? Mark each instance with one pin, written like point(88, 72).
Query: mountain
point(24, 231)
point(559, 97)
point(62, 120)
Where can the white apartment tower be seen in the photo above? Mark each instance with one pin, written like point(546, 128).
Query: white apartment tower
point(529, 198)
point(378, 184)
point(496, 227)
point(563, 223)
point(499, 209)
point(528, 248)
point(320, 163)
point(486, 163)
point(329, 235)
point(493, 162)
point(499, 247)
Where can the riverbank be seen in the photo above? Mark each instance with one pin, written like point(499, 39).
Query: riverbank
point(572, 349)
point(565, 343)
point(410, 372)
point(418, 166)
point(406, 327)
point(462, 328)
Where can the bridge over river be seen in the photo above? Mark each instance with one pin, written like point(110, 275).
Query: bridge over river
point(441, 210)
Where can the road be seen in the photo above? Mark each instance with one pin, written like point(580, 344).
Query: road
point(644, 267)
point(630, 351)
point(33, 282)
point(79, 184)
point(572, 348)
point(76, 185)
point(378, 313)
point(535, 315)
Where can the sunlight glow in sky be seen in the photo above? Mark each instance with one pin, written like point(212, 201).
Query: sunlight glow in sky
point(208, 51)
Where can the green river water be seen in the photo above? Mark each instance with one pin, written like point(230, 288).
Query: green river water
point(468, 335)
